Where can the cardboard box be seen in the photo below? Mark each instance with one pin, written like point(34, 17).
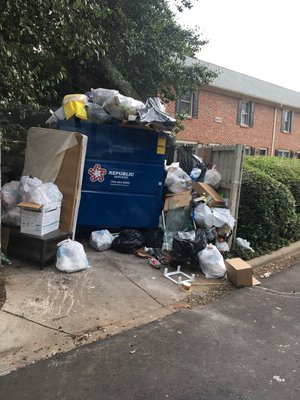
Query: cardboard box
point(177, 200)
point(240, 273)
point(38, 219)
point(213, 198)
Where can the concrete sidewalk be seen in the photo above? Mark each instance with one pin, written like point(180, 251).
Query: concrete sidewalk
point(243, 347)
point(48, 312)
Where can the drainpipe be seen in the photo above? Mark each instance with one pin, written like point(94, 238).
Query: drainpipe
point(274, 130)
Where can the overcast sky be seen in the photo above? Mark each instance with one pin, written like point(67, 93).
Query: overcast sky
point(257, 37)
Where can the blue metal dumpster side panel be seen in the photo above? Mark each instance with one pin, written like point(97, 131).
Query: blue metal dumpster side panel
point(123, 176)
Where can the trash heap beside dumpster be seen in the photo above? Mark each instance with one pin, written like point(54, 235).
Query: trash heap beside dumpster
point(103, 169)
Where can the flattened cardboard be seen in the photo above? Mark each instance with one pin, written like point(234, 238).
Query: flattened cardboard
point(240, 273)
point(31, 206)
point(214, 199)
point(68, 183)
point(177, 200)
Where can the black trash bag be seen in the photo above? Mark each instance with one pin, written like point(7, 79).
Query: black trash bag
point(154, 237)
point(128, 241)
point(186, 245)
point(187, 162)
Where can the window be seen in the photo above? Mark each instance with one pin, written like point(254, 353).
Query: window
point(245, 113)
point(298, 154)
point(188, 104)
point(249, 151)
point(287, 121)
point(283, 153)
point(262, 151)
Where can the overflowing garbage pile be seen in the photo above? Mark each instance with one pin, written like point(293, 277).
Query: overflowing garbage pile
point(101, 105)
point(195, 224)
point(27, 190)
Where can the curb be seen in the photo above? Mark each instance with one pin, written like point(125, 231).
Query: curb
point(288, 251)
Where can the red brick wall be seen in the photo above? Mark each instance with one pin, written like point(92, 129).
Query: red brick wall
point(205, 130)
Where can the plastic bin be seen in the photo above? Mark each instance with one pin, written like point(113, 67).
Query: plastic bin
point(123, 175)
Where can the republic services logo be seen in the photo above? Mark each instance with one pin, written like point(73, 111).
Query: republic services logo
point(97, 173)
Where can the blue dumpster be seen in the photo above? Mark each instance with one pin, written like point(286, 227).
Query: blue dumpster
point(123, 175)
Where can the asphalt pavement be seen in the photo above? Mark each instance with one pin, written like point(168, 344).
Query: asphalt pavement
point(245, 346)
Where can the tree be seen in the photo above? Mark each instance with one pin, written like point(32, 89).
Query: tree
point(56, 47)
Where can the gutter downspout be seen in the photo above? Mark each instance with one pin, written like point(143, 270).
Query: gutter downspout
point(274, 130)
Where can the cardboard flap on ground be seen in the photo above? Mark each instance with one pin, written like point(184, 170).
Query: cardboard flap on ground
point(240, 273)
point(177, 200)
point(214, 199)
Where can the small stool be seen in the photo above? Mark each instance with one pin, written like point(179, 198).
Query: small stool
point(39, 249)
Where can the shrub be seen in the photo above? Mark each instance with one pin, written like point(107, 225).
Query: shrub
point(284, 170)
point(267, 214)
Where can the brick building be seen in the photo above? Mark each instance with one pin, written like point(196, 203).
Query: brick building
point(237, 108)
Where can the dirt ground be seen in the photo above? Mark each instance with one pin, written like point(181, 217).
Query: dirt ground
point(226, 287)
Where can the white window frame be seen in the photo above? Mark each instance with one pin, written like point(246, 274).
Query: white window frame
point(245, 113)
point(283, 153)
point(263, 149)
point(189, 102)
point(247, 150)
point(287, 117)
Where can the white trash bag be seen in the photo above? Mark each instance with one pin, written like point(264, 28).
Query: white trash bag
point(33, 190)
point(211, 262)
point(213, 177)
point(203, 216)
point(71, 257)
point(222, 246)
point(27, 186)
point(9, 194)
point(100, 95)
point(222, 216)
point(101, 240)
point(118, 105)
point(177, 180)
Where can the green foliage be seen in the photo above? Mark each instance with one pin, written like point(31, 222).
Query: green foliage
point(267, 214)
point(14, 122)
point(284, 170)
point(51, 48)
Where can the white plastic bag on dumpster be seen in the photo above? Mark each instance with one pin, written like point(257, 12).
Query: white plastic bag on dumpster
point(177, 180)
point(100, 95)
point(71, 257)
point(203, 216)
point(118, 105)
point(213, 177)
point(96, 114)
point(101, 240)
point(211, 262)
point(222, 216)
